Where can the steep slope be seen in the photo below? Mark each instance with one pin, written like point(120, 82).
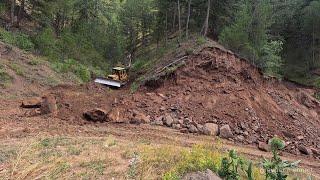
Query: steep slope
point(219, 87)
point(24, 74)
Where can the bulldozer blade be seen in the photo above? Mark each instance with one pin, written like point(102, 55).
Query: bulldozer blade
point(108, 82)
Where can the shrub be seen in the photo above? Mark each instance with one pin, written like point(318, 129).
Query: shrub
point(24, 42)
point(70, 65)
point(20, 40)
point(45, 42)
point(274, 168)
point(232, 165)
point(4, 76)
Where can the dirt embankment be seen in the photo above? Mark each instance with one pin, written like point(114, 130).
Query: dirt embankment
point(218, 87)
point(215, 87)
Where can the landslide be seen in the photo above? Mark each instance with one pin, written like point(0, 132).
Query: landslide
point(211, 85)
point(217, 86)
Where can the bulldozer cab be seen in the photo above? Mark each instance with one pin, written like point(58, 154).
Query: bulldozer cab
point(119, 74)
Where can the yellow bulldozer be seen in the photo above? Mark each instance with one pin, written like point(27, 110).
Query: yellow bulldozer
point(118, 78)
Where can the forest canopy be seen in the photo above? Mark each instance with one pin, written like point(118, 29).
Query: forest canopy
point(281, 37)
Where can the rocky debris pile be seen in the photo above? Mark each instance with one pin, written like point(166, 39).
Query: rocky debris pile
point(217, 93)
point(116, 115)
point(186, 125)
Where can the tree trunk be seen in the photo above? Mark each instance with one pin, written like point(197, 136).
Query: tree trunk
point(13, 5)
point(174, 17)
point(179, 18)
point(166, 28)
point(206, 22)
point(21, 12)
point(188, 19)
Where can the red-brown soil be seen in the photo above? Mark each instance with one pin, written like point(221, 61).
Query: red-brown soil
point(213, 86)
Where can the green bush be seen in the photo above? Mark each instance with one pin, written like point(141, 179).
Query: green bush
point(232, 166)
point(275, 167)
point(45, 42)
point(70, 65)
point(4, 76)
point(20, 40)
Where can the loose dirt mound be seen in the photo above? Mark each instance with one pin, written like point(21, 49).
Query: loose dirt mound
point(213, 86)
point(218, 87)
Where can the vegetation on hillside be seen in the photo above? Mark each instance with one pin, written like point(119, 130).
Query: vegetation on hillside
point(281, 37)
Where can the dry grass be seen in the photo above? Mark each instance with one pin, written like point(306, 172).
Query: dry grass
point(104, 158)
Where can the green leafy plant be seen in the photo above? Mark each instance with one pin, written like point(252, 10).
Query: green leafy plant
point(20, 40)
point(274, 168)
point(232, 165)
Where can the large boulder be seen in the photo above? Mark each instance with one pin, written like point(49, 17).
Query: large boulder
point(139, 118)
point(31, 103)
point(211, 129)
point(207, 175)
point(304, 150)
point(49, 105)
point(264, 147)
point(96, 115)
point(168, 120)
point(193, 129)
point(225, 132)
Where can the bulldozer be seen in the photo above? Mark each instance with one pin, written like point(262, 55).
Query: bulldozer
point(118, 78)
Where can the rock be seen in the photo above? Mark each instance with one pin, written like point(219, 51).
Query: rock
point(315, 151)
point(31, 103)
point(115, 116)
point(240, 138)
point(193, 129)
point(211, 129)
point(288, 134)
point(95, 115)
point(304, 150)
point(225, 132)
point(264, 146)
point(300, 137)
point(176, 126)
point(162, 109)
point(200, 128)
point(207, 175)
point(159, 121)
point(139, 118)
point(49, 105)
point(246, 133)
point(168, 120)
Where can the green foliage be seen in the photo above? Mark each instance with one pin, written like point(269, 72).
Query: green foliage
point(4, 76)
point(231, 166)
point(70, 65)
point(17, 69)
point(271, 58)
point(45, 42)
point(248, 35)
point(20, 40)
point(275, 167)
point(198, 159)
point(2, 7)
point(201, 40)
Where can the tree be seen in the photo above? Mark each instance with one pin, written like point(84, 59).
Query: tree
point(205, 28)
point(188, 18)
point(311, 26)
